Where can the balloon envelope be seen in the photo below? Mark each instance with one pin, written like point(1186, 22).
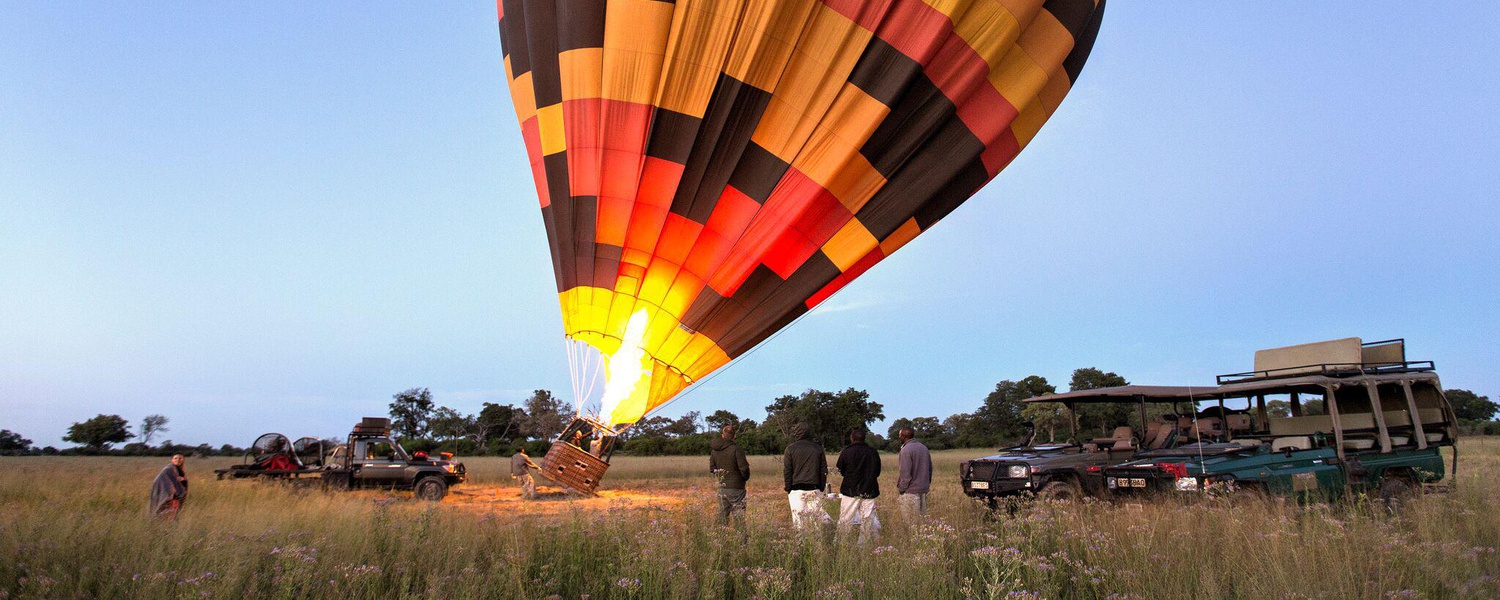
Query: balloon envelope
point(709, 170)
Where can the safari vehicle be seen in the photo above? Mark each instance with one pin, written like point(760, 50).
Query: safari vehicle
point(371, 458)
point(1350, 417)
point(1073, 468)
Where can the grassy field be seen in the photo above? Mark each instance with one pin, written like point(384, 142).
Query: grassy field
point(74, 528)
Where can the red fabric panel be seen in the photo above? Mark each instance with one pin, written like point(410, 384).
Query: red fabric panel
point(532, 136)
point(865, 13)
point(864, 263)
point(732, 215)
point(1000, 152)
point(677, 238)
point(613, 221)
point(653, 200)
point(500, 9)
point(581, 130)
point(775, 237)
point(916, 29)
point(627, 124)
point(834, 286)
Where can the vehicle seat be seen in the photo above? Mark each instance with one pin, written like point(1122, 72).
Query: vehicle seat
point(1158, 439)
point(1358, 444)
point(1246, 442)
point(1238, 423)
point(1295, 442)
point(1400, 440)
point(1123, 439)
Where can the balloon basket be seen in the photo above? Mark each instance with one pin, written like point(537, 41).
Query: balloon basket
point(568, 465)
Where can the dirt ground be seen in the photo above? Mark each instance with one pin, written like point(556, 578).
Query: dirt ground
point(553, 500)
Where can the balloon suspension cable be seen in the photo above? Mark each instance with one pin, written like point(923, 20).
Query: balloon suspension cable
point(585, 368)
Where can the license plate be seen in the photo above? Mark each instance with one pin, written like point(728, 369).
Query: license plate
point(1135, 482)
point(979, 485)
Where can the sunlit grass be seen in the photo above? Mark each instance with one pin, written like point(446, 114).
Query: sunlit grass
point(75, 527)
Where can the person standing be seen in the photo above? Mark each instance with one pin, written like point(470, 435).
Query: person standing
point(728, 461)
point(860, 466)
point(916, 474)
point(169, 489)
point(520, 468)
point(804, 473)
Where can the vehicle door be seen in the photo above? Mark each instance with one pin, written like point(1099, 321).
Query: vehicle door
point(1304, 474)
point(378, 462)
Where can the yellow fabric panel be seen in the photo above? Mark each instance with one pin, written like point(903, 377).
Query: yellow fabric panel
point(1046, 41)
point(1023, 10)
point(549, 120)
point(523, 96)
point(629, 286)
point(1056, 88)
point(831, 157)
point(1030, 120)
point(818, 69)
point(684, 290)
point(1017, 77)
point(898, 238)
point(851, 243)
point(701, 33)
point(580, 70)
point(989, 29)
point(635, 41)
point(659, 277)
point(768, 32)
point(949, 8)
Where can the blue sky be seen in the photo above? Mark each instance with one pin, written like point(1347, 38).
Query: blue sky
point(260, 218)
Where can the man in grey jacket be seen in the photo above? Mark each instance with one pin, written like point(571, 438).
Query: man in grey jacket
point(728, 461)
point(520, 469)
point(916, 474)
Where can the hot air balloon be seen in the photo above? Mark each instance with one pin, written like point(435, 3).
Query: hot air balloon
point(710, 170)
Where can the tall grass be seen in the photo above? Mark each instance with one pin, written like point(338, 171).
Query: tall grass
point(74, 527)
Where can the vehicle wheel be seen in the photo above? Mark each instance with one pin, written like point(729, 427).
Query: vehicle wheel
point(1059, 491)
point(1396, 492)
point(431, 489)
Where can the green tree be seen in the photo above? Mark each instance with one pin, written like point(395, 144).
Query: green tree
point(999, 418)
point(152, 425)
point(828, 415)
point(449, 424)
point(411, 413)
point(99, 432)
point(721, 418)
point(497, 423)
point(12, 443)
point(685, 426)
point(1468, 406)
point(546, 416)
point(1105, 415)
point(1046, 417)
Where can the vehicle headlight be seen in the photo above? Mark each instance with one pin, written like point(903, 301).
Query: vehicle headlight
point(1187, 484)
point(1018, 472)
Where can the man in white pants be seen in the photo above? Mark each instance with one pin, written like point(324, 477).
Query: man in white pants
point(860, 466)
point(804, 471)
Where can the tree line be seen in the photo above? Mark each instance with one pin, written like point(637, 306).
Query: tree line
point(496, 428)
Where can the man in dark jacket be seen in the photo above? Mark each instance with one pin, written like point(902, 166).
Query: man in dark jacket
point(728, 461)
point(860, 466)
point(804, 472)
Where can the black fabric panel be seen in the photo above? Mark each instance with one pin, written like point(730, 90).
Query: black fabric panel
point(513, 37)
point(883, 71)
point(919, 111)
point(1083, 44)
point(549, 219)
point(713, 315)
point(757, 173)
point(541, 39)
point(606, 265)
point(732, 114)
point(585, 217)
point(961, 187)
point(929, 171)
point(671, 135)
point(582, 24)
point(555, 166)
point(782, 306)
point(1073, 14)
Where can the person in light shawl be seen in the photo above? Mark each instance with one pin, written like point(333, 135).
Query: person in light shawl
point(169, 490)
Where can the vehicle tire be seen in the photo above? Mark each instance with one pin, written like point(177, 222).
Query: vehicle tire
point(1396, 492)
point(1060, 491)
point(431, 489)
